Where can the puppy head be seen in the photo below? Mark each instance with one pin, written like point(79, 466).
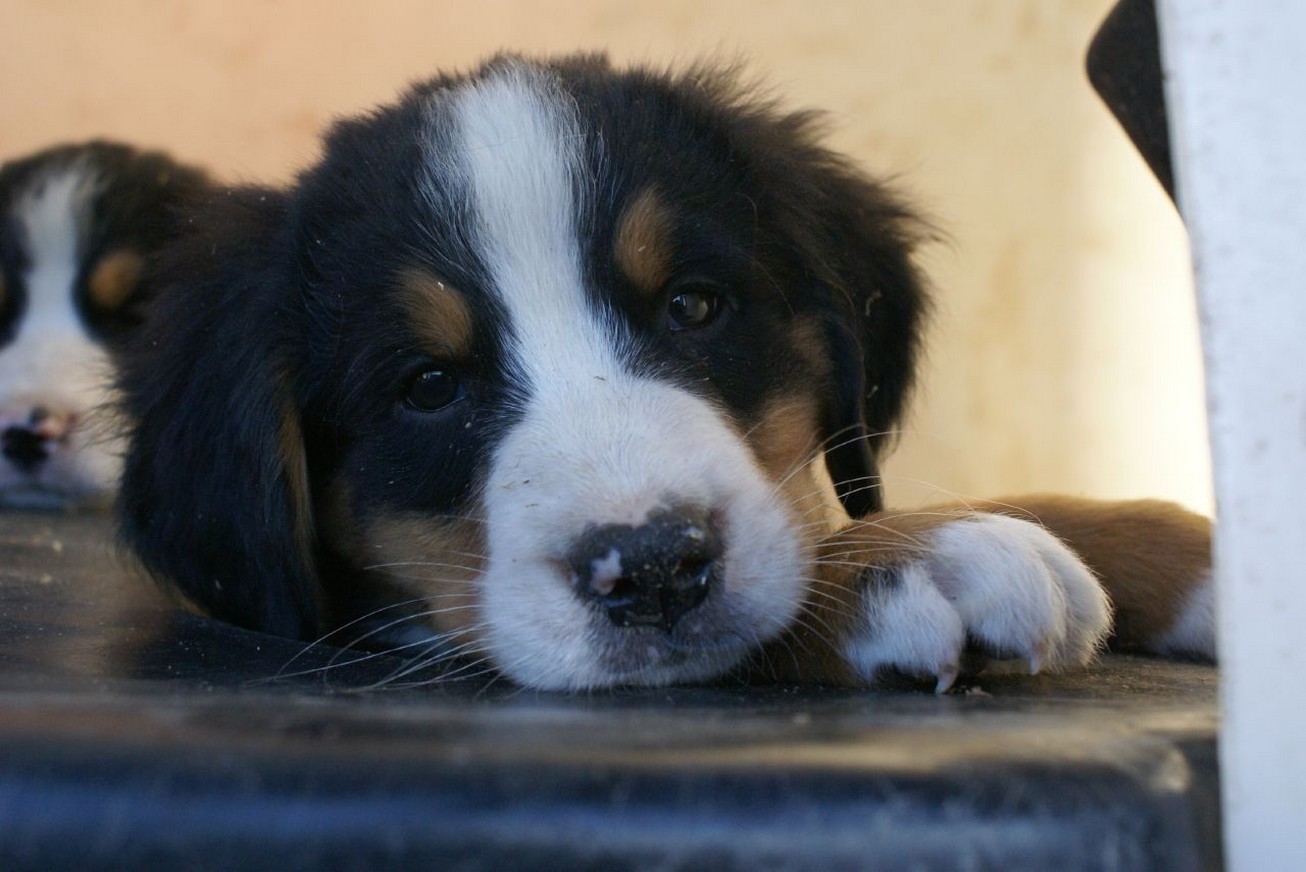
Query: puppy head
point(77, 225)
point(548, 353)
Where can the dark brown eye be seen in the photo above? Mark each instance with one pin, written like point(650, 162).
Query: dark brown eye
point(693, 306)
point(432, 390)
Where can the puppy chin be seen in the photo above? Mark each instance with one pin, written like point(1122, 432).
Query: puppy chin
point(581, 649)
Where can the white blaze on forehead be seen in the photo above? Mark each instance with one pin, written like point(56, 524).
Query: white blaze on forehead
point(520, 153)
point(51, 361)
point(54, 216)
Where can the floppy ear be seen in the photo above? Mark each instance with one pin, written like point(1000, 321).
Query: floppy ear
point(861, 244)
point(854, 239)
point(850, 447)
point(215, 493)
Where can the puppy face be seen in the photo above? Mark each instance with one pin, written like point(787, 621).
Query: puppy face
point(76, 226)
point(565, 360)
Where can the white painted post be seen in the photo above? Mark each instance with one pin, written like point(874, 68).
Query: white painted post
point(1237, 93)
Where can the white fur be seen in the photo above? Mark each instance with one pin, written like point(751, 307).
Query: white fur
point(595, 443)
point(1006, 583)
point(52, 363)
point(1193, 632)
point(911, 627)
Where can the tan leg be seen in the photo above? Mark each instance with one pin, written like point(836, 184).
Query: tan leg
point(914, 592)
point(1153, 558)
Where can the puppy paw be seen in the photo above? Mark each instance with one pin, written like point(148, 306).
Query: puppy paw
point(1191, 635)
point(1003, 586)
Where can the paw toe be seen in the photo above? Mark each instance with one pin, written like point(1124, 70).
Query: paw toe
point(1020, 592)
point(910, 629)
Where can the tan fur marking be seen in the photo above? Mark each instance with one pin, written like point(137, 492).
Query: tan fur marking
point(413, 556)
point(437, 312)
point(435, 558)
point(114, 278)
point(1149, 554)
point(295, 467)
point(810, 344)
point(785, 442)
point(785, 435)
point(643, 242)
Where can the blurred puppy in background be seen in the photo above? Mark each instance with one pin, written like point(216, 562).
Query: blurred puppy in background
point(78, 227)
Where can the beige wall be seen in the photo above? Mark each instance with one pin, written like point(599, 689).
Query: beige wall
point(1064, 355)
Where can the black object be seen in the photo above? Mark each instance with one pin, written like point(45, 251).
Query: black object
point(1124, 65)
point(134, 735)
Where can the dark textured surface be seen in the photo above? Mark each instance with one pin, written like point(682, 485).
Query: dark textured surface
point(134, 735)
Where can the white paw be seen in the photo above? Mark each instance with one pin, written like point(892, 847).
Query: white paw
point(1005, 585)
point(1193, 632)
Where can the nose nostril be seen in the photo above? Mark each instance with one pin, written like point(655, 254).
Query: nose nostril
point(691, 572)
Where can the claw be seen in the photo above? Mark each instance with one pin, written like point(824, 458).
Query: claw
point(947, 676)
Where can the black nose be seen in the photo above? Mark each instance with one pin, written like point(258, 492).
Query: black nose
point(653, 574)
point(25, 448)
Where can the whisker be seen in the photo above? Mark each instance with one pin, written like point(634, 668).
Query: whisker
point(808, 615)
point(323, 640)
point(356, 642)
point(423, 662)
point(424, 563)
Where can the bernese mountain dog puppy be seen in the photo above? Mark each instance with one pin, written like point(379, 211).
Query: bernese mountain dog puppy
point(78, 224)
point(584, 373)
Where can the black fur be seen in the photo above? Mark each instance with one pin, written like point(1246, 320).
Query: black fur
point(267, 394)
point(207, 499)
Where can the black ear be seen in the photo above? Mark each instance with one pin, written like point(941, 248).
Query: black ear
point(850, 447)
point(215, 494)
point(854, 240)
point(859, 241)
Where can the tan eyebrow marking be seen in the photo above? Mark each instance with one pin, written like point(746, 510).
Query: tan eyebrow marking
point(436, 310)
point(114, 278)
point(642, 246)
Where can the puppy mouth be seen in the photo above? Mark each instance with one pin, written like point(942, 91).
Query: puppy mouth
point(644, 655)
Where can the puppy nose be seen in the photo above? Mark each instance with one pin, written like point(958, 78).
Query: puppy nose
point(27, 438)
point(652, 574)
point(24, 447)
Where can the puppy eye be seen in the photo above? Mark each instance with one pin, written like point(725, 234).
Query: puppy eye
point(432, 390)
point(694, 305)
